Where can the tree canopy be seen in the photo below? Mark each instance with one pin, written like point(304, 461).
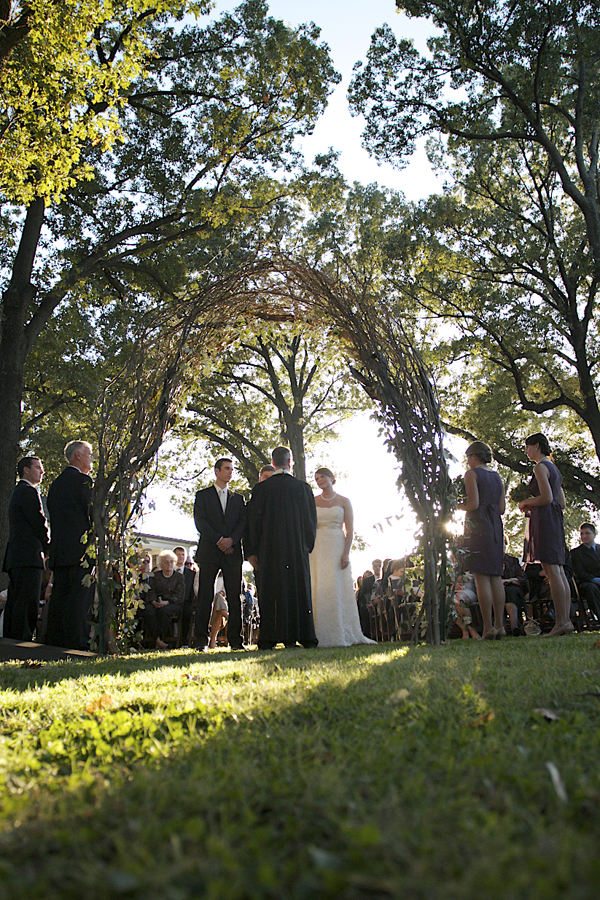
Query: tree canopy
point(65, 68)
point(510, 254)
point(285, 385)
point(207, 131)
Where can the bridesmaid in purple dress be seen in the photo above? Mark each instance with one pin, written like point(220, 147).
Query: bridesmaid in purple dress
point(545, 534)
point(484, 536)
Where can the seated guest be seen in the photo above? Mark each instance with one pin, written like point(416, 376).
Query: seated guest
point(364, 600)
point(219, 617)
point(164, 599)
point(396, 576)
point(515, 588)
point(586, 568)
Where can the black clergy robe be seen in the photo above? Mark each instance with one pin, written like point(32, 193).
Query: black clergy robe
point(283, 525)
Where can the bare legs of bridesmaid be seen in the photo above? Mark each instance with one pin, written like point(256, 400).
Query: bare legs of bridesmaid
point(561, 595)
point(490, 593)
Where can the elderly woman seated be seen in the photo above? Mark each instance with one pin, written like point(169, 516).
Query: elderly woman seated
point(164, 599)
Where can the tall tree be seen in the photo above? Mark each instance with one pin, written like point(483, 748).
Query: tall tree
point(64, 68)
point(511, 253)
point(214, 113)
point(286, 386)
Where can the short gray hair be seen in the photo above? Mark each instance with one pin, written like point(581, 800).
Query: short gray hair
point(73, 446)
point(165, 554)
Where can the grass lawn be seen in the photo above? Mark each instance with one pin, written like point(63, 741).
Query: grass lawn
point(465, 771)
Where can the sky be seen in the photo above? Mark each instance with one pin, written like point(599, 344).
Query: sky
point(346, 26)
point(367, 473)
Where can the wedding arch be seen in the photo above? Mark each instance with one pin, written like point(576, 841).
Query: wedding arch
point(138, 407)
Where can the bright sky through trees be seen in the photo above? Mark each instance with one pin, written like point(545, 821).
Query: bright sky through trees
point(367, 472)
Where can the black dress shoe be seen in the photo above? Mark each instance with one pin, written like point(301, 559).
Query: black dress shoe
point(237, 649)
point(266, 645)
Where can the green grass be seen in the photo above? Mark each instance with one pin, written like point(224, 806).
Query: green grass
point(368, 772)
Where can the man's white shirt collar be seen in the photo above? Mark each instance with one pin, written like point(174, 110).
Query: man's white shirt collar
point(222, 495)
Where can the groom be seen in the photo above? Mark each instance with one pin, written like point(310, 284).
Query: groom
point(283, 525)
point(220, 517)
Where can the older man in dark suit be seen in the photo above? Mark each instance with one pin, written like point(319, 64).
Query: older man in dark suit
point(586, 567)
point(27, 545)
point(70, 510)
point(220, 517)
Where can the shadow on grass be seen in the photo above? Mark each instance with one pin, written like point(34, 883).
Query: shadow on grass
point(18, 677)
point(360, 773)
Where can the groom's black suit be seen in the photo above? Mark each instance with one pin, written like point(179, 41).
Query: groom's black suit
point(212, 524)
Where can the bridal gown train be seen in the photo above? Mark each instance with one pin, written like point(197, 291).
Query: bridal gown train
point(334, 603)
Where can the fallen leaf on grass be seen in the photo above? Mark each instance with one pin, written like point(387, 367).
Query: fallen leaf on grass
point(187, 677)
point(548, 714)
point(103, 702)
point(32, 664)
point(399, 696)
point(479, 687)
point(557, 782)
point(596, 645)
point(488, 716)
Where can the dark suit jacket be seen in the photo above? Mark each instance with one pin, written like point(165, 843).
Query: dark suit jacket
point(189, 576)
point(364, 594)
point(171, 589)
point(586, 563)
point(513, 569)
point(212, 523)
point(275, 502)
point(70, 509)
point(28, 531)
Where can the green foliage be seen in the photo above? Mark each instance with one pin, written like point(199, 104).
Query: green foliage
point(64, 71)
point(508, 259)
point(281, 385)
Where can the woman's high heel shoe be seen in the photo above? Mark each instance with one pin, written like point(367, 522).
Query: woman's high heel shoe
point(567, 628)
point(500, 633)
point(489, 635)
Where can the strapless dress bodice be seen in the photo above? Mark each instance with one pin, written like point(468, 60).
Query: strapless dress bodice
point(330, 516)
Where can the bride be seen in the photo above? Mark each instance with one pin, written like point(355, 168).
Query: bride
point(334, 603)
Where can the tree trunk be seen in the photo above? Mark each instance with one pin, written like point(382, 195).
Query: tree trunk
point(295, 438)
point(430, 580)
point(14, 347)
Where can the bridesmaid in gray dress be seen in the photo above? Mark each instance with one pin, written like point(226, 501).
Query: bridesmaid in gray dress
point(545, 534)
point(484, 536)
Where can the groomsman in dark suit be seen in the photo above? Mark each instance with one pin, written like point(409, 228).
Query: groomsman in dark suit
point(586, 567)
point(70, 510)
point(27, 545)
point(220, 517)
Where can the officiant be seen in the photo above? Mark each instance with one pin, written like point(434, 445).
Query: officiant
point(283, 525)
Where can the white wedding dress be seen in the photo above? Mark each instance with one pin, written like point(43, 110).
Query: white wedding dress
point(334, 602)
